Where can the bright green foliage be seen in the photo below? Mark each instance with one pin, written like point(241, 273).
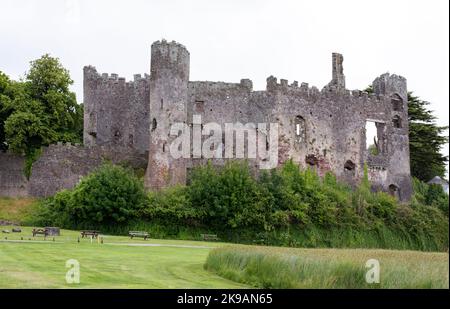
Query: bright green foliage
point(286, 206)
point(8, 93)
point(110, 195)
point(171, 207)
point(430, 194)
point(227, 197)
point(40, 110)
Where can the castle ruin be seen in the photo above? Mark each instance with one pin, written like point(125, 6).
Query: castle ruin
point(320, 129)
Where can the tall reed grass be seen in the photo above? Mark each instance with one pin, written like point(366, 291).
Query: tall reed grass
point(328, 268)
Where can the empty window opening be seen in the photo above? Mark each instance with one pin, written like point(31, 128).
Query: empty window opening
point(199, 106)
point(397, 103)
point(164, 147)
point(130, 140)
point(349, 165)
point(154, 124)
point(394, 191)
point(300, 129)
point(375, 137)
point(162, 103)
point(397, 122)
point(312, 160)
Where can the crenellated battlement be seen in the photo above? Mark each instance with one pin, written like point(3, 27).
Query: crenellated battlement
point(164, 42)
point(91, 74)
point(327, 92)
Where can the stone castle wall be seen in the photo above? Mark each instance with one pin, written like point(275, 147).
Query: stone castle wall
point(320, 129)
point(12, 177)
point(60, 166)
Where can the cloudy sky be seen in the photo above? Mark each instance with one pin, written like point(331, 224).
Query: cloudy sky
point(234, 39)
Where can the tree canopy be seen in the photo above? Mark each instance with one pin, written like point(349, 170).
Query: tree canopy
point(425, 140)
point(40, 110)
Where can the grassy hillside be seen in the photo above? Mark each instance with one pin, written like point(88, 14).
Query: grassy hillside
point(16, 210)
point(272, 267)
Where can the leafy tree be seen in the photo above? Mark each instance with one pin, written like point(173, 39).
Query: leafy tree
point(43, 110)
point(6, 98)
point(425, 140)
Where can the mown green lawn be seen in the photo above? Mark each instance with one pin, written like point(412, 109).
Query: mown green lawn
point(113, 264)
point(118, 262)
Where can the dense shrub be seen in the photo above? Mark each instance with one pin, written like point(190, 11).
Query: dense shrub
point(171, 206)
point(109, 195)
point(227, 197)
point(286, 206)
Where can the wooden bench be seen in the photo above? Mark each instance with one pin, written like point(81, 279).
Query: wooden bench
point(86, 233)
point(209, 237)
point(142, 234)
point(40, 231)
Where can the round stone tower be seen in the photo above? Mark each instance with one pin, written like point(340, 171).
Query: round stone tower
point(169, 77)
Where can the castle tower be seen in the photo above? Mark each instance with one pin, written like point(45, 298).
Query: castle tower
point(169, 77)
point(394, 89)
point(338, 78)
point(90, 76)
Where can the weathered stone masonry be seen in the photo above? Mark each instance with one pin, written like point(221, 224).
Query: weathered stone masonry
point(322, 129)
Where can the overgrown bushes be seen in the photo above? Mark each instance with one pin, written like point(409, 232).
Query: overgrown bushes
point(286, 206)
point(110, 195)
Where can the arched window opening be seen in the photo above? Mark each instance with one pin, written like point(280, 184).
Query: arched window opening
point(397, 103)
point(154, 124)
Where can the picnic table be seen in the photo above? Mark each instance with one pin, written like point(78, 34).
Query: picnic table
point(142, 234)
point(38, 231)
point(86, 233)
point(209, 237)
